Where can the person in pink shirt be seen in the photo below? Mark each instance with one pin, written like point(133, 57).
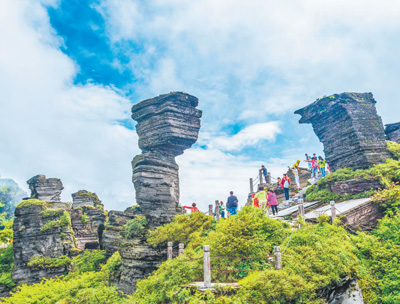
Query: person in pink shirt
point(272, 201)
point(193, 208)
point(314, 166)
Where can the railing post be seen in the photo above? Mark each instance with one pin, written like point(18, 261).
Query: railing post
point(207, 266)
point(181, 248)
point(260, 176)
point(251, 186)
point(269, 178)
point(217, 215)
point(278, 258)
point(169, 251)
point(301, 209)
point(183, 210)
point(210, 210)
point(333, 210)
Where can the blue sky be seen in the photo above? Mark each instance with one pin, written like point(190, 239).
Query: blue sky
point(71, 70)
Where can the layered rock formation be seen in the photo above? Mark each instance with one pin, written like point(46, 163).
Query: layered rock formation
point(350, 129)
point(40, 229)
point(45, 189)
point(393, 132)
point(88, 218)
point(167, 125)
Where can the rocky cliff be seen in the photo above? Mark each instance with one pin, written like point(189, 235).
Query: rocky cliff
point(350, 129)
point(393, 132)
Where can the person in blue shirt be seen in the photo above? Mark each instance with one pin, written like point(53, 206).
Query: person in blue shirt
point(232, 204)
point(265, 173)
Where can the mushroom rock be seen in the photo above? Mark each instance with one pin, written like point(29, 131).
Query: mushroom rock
point(350, 129)
point(167, 125)
point(45, 189)
point(393, 132)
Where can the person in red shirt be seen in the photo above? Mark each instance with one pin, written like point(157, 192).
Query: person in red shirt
point(193, 208)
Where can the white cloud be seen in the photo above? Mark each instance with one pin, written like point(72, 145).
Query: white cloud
point(50, 126)
point(249, 136)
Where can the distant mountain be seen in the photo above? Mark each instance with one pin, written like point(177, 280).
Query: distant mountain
point(10, 195)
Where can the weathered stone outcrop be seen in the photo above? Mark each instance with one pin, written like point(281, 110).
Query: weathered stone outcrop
point(88, 218)
point(393, 132)
point(85, 198)
point(45, 189)
point(112, 236)
point(167, 125)
point(40, 228)
point(355, 186)
point(350, 129)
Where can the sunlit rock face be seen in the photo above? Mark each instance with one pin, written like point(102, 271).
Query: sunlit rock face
point(393, 132)
point(45, 189)
point(350, 129)
point(167, 125)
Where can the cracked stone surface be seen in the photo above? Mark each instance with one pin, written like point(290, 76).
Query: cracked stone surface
point(393, 132)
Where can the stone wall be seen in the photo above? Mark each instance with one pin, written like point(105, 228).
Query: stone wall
point(350, 129)
point(393, 132)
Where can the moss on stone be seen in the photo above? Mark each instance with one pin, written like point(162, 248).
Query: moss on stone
point(46, 213)
point(32, 202)
point(64, 220)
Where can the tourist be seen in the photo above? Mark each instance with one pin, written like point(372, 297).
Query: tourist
point(261, 195)
point(232, 204)
point(255, 201)
point(272, 201)
point(279, 183)
point(286, 184)
point(264, 173)
point(321, 164)
point(309, 164)
point(314, 166)
point(221, 210)
point(193, 208)
point(295, 169)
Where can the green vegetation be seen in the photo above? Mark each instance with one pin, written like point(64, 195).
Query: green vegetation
point(135, 227)
point(84, 218)
point(64, 220)
point(10, 195)
point(42, 262)
point(6, 267)
point(50, 213)
point(32, 202)
point(77, 287)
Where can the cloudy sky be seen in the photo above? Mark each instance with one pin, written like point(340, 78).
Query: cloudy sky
point(71, 70)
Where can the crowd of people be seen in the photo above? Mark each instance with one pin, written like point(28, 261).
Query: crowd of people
point(265, 198)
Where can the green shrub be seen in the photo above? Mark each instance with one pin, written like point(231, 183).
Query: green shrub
point(181, 229)
point(135, 227)
point(389, 198)
point(394, 149)
point(43, 262)
point(50, 212)
point(90, 260)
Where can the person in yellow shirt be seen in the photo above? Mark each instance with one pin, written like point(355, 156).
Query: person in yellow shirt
point(261, 195)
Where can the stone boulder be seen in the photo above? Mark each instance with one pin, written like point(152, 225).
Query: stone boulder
point(350, 129)
point(45, 189)
point(393, 132)
point(40, 229)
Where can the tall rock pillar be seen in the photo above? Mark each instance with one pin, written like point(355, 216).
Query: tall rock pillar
point(167, 125)
point(350, 129)
point(393, 132)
